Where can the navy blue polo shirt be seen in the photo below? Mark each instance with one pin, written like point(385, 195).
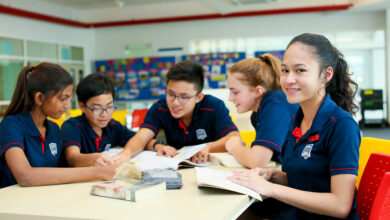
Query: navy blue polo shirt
point(330, 147)
point(210, 122)
point(77, 131)
point(272, 120)
point(20, 131)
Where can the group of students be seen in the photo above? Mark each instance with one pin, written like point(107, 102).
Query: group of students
point(301, 111)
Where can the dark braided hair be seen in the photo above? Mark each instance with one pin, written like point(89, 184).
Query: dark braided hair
point(341, 87)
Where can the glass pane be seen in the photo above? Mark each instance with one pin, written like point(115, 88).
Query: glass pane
point(65, 53)
point(10, 46)
point(9, 71)
point(42, 50)
point(77, 53)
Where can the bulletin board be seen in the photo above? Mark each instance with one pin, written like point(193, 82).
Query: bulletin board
point(276, 53)
point(137, 78)
point(216, 66)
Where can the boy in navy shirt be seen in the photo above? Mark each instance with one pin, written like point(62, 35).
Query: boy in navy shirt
point(85, 137)
point(187, 116)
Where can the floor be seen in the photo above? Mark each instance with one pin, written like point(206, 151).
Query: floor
point(383, 133)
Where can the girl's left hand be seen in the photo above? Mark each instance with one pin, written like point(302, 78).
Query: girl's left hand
point(252, 180)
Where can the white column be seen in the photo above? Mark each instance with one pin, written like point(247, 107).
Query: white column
point(387, 55)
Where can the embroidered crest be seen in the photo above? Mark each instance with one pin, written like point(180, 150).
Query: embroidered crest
point(201, 134)
point(53, 148)
point(306, 153)
point(108, 146)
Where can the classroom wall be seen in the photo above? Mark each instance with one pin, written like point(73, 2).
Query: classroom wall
point(111, 41)
point(387, 38)
point(16, 27)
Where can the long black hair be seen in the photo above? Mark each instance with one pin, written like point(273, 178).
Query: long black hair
point(46, 78)
point(341, 87)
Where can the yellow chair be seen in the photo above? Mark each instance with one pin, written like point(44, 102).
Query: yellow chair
point(248, 137)
point(75, 112)
point(233, 118)
point(120, 115)
point(370, 145)
point(59, 121)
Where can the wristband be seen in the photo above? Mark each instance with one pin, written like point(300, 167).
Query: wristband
point(154, 145)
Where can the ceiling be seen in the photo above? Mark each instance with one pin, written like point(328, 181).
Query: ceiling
point(100, 13)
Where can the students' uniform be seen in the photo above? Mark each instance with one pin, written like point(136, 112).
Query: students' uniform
point(329, 148)
point(210, 122)
point(77, 131)
point(272, 120)
point(20, 131)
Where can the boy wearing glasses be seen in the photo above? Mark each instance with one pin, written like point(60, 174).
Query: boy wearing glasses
point(86, 136)
point(187, 116)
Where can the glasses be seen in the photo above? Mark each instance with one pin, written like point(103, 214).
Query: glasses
point(183, 99)
point(99, 111)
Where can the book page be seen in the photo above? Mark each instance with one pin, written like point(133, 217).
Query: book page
point(217, 179)
point(226, 159)
point(189, 151)
point(146, 160)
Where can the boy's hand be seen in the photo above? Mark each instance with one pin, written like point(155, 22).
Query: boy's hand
point(202, 155)
point(122, 157)
point(165, 150)
point(103, 160)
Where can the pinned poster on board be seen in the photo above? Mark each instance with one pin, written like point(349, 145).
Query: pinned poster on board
point(216, 66)
point(137, 78)
point(276, 53)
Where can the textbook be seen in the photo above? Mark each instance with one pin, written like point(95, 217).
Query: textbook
point(228, 160)
point(146, 160)
point(128, 189)
point(214, 178)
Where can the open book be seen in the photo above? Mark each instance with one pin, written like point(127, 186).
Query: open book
point(228, 160)
point(217, 179)
point(146, 160)
point(128, 189)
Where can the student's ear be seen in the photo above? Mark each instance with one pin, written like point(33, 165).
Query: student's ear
point(39, 98)
point(259, 90)
point(328, 74)
point(82, 106)
point(199, 97)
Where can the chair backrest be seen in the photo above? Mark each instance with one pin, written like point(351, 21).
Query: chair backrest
point(120, 115)
point(75, 112)
point(381, 206)
point(377, 165)
point(248, 137)
point(368, 146)
point(138, 116)
point(59, 121)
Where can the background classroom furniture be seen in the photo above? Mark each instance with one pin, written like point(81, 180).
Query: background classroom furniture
point(367, 147)
point(372, 99)
point(380, 209)
point(377, 165)
point(73, 201)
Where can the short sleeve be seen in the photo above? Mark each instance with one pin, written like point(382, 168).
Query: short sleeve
point(223, 122)
point(70, 134)
point(151, 120)
point(122, 134)
point(344, 144)
point(11, 134)
point(273, 124)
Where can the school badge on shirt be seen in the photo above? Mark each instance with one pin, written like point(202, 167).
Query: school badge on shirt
point(53, 148)
point(306, 153)
point(201, 134)
point(108, 146)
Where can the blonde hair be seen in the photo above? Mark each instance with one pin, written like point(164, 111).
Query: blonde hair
point(263, 71)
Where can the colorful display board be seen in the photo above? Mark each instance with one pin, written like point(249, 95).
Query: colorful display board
point(277, 53)
point(216, 66)
point(137, 78)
